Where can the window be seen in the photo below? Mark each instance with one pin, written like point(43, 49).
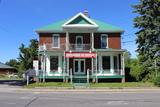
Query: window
point(54, 63)
point(56, 41)
point(115, 62)
point(79, 41)
point(106, 62)
point(104, 41)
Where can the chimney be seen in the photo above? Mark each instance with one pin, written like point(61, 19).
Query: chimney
point(86, 13)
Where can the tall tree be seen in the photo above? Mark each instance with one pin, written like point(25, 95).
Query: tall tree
point(127, 58)
point(28, 54)
point(13, 63)
point(148, 36)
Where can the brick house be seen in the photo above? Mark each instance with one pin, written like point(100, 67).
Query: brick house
point(80, 47)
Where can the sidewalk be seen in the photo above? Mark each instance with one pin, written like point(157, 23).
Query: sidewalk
point(7, 88)
point(90, 90)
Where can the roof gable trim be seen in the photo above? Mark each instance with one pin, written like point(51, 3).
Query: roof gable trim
point(69, 22)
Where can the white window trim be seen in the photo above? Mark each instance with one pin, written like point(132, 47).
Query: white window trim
point(58, 40)
point(102, 35)
point(102, 62)
point(50, 61)
point(81, 39)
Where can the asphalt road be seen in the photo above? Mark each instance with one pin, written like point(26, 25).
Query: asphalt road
point(79, 99)
point(12, 95)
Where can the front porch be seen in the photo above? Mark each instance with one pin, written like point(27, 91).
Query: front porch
point(106, 64)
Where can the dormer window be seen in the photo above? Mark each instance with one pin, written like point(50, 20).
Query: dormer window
point(104, 41)
point(56, 41)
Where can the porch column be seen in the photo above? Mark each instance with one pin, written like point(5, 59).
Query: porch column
point(64, 67)
point(96, 67)
point(44, 67)
point(122, 67)
point(67, 66)
point(67, 41)
point(112, 64)
point(92, 40)
point(92, 65)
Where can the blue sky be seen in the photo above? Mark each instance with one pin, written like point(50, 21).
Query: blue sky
point(20, 18)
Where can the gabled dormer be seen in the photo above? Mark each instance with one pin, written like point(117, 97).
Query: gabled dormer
point(80, 22)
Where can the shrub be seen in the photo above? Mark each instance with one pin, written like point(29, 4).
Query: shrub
point(157, 81)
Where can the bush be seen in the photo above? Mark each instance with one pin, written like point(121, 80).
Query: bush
point(157, 81)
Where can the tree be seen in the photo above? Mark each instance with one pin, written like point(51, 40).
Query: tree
point(148, 23)
point(135, 69)
point(27, 55)
point(127, 58)
point(13, 63)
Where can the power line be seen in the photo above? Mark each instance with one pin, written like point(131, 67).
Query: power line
point(128, 41)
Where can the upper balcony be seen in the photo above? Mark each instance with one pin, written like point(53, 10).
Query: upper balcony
point(79, 47)
point(62, 47)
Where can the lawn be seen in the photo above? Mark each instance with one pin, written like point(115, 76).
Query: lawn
point(123, 85)
point(7, 78)
point(50, 85)
point(96, 85)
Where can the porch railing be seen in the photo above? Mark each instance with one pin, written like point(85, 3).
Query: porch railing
point(79, 46)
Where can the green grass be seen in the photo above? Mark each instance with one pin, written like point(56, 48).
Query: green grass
point(7, 78)
point(49, 85)
point(96, 85)
point(122, 85)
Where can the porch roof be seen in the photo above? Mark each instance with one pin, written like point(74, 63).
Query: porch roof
point(57, 27)
point(110, 50)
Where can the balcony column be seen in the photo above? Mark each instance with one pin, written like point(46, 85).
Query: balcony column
point(67, 41)
point(92, 40)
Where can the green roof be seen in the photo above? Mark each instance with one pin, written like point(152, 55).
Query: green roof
point(102, 26)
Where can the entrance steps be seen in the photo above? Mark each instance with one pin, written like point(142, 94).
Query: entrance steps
point(81, 85)
point(80, 81)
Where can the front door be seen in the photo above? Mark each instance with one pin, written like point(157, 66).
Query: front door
point(79, 66)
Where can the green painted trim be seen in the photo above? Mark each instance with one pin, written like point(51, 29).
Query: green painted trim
point(114, 76)
point(79, 20)
point(109, 49)
point(51, 77)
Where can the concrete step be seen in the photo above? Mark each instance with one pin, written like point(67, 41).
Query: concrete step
point(80, 85)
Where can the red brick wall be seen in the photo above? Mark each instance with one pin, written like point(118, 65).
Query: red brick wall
point(114, 40)
point(47, 38)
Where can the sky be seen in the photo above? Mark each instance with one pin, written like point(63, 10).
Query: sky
point(20, 18)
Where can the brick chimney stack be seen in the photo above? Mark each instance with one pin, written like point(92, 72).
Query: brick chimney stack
point(86, 13)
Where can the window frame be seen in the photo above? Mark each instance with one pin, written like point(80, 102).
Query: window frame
point(56, 35)
point(81, 37)
point(104, 35)
point(109, 62)
point(57, 63)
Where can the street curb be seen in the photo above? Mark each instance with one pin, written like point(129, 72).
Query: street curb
point(41, 90)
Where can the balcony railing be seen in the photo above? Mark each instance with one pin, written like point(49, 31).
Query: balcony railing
point(50, 47)
point(73, 47)
point(79, 46)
